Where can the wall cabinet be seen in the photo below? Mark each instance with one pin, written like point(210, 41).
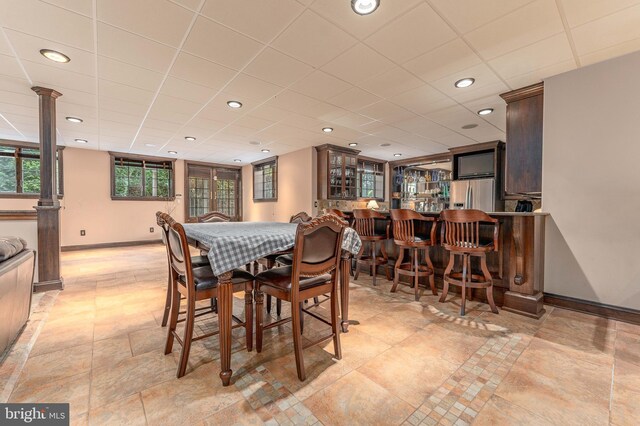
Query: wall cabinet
point(337, 173)
point(524, 140)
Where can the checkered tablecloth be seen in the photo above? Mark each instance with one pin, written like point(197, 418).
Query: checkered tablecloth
point(235, 244)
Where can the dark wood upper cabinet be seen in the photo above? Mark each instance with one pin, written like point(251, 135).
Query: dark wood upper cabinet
point(524, 140)
point(337, 172)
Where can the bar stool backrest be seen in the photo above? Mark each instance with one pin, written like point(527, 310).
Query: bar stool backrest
point(461, 229)
point(404, 226)
point(364, 221)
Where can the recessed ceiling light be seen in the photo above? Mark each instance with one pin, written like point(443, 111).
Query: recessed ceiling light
point(237, 161)
point(81, 140)
point(353, 144)
point(173, 152)
point(485, 111)
point(364, 7)
point(465, 82)
point(234, 104)
point(54, 56)
point(189, 138)
point(327, 129)
point(397, 155)
point(385, 144)
point(149, 144)
point(74, 119)
point(265, 150)
point(469, 126)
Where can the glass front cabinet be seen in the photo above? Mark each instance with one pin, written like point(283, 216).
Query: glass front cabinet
point(337, 173)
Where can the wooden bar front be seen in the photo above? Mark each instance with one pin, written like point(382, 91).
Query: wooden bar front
point(517, 267)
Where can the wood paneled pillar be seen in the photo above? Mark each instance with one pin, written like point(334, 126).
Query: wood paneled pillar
point(48, 208)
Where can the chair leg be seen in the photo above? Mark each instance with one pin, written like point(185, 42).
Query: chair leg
point(248, 316)
point(173, 318)
point(432, 281)
point(416, 278)
point(167, 303)
point(464, 284)
point(334, 322)
point(487, 277)
point(186, 339)
point(383, 251)
point(268, 303)
point(374, 266)
point(445, 286)
point(397, 267)
point(296, 322)
point(214, 305)
point(278, 306)
point(259, 298)
point(357, 269)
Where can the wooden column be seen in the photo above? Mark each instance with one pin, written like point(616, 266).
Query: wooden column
point(48, 208)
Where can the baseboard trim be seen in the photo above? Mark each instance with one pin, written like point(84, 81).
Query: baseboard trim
point(41, 286)
point(594, 308)
point(110, 245)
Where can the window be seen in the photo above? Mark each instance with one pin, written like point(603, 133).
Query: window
point(265, 180)
point(370, 179)
point(20, 170)
point(135, 177)
point(212, 188)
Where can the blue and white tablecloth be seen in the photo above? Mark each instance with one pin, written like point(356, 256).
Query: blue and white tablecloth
point(235, 244)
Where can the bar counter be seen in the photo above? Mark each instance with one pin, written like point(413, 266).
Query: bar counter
point(517, 267)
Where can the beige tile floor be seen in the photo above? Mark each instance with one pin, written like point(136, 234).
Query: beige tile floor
point(98, 345)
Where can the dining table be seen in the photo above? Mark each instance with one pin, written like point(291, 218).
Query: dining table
point(236, 244)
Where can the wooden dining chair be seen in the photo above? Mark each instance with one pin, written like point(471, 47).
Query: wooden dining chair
point(364, 223)
point(406, 238)
point(197, 284)
point(316, 256)
point(460, 235)
point(164, 221)
point(212, 217)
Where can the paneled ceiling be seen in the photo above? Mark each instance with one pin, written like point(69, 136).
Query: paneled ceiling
point(146, 73)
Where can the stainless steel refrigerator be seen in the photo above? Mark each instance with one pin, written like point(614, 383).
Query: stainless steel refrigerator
point(473, 194)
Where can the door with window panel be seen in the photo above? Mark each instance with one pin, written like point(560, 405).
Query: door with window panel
point(212, 189)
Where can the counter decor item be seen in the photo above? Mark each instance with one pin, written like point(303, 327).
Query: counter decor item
point(373, 205)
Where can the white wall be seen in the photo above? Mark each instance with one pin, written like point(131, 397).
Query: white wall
point(296, 189)
point(591, 182)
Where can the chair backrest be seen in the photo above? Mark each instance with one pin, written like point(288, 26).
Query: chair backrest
point(317, 249)
point(404, 226)
point(461, 228)
point(214, 217)
point(336, 212)
point(179, 254)
point(364, 221)
point(301, 217)
point(163, 219)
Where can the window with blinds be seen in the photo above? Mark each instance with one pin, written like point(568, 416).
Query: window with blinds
point(370, 179)
point(141, 178)
point(20, 170)
point(265, 180)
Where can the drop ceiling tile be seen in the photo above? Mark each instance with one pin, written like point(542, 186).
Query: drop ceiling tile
point(320, 85)
point(270, 112)
point(217, 112)
point(189, 4)
point(172, 105)
point(414, 33)
point(455, 117)
point(58, 78)
point(610, 52)
point(261, 20)
point(358, 63)
point(391, 83)
point(423, 127)
point(201, 71)
point(340, 13)
point(113, 104)
point(456, 139)
point(451, 57)
point(298, 103)
point(200, 122)
point(244, 87)
point(352, 120)
point(109, 89)
point(19, 99)
point(313, 40)
point(236, 130)
point(121, 117)
point(183, 89)
point(133, 49)
point(219, 44)
point(9, 67)
point(303, 122)
point(539, 75)
point(163, 128)
point(542, 54)
point(354, 99)
point(579, 12)
point(277, 68)
point(79, 98)
point(386, 112)
point(130, 75)
point(468, 15)
point(83, 7)
point(481, 73)
point(158, 20)
point(534, 22)
point(498, 118)
point(423, 99)
point(484, 133)
point(608, 31)
point(28, 48)
point(48, 22)
point(255, 123)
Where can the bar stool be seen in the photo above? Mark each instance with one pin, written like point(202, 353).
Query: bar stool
point(461, 237)
point(405, 238)
point(364, 224)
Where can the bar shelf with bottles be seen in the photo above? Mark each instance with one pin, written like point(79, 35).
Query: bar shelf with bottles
point(423, 188)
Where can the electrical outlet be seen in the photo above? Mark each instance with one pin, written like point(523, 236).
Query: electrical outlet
point(152, 229)
point(315, 204)
point(83, 233)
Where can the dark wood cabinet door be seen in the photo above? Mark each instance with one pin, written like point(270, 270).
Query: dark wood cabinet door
point(524, 145)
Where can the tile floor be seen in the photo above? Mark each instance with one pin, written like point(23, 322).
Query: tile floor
point(98, 345)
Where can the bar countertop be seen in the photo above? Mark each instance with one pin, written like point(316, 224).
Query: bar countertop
point(524, 214)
